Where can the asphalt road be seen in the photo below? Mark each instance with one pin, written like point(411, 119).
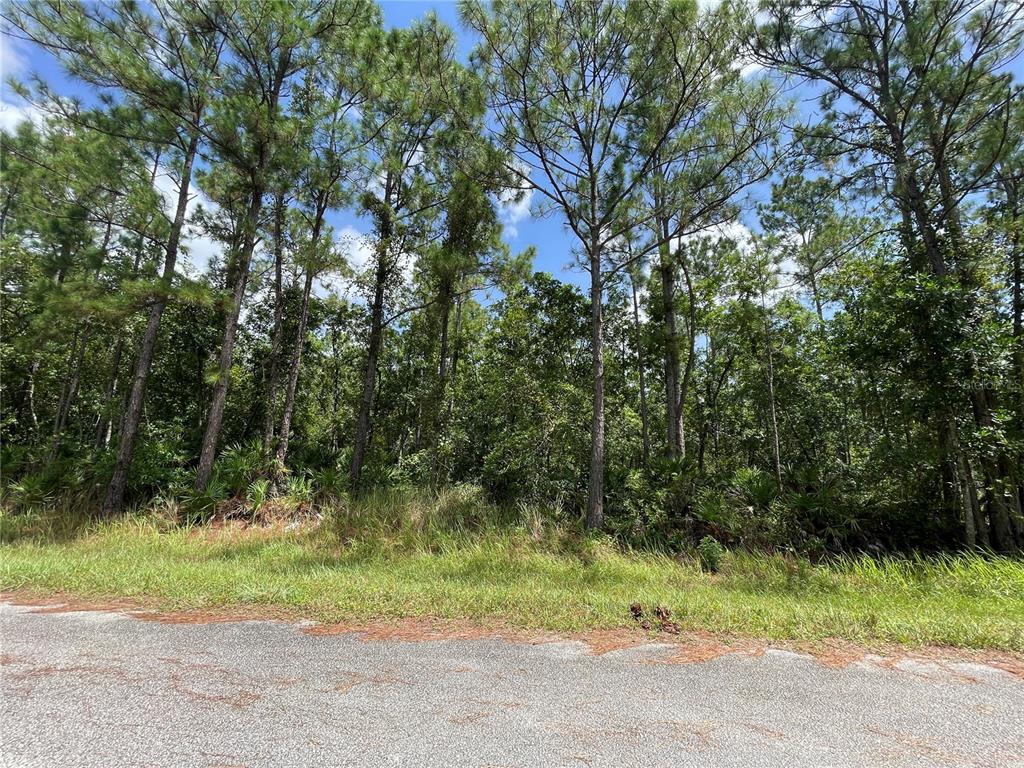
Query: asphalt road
point(104, 689)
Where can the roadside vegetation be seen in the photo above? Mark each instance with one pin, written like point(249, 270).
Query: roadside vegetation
point(453, 555)
point(280, 323)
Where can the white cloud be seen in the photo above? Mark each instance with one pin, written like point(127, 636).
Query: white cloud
point(12, 115)
point(13, 59)
point(512, 211)
point(750, 68)
point(733, 230)
point(202, 249)
point(356, 246)
point(375, 185)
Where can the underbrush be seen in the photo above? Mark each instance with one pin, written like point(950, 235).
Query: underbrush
point(670, 506)
point(455, 555)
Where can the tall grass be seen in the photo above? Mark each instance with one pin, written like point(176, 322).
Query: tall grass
point(452, 554)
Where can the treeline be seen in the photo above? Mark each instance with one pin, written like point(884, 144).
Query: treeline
point(846, 374)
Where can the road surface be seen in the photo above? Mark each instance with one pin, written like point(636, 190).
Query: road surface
point(100, 688)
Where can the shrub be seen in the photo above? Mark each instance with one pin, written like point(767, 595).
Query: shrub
point(710, 553)
point(239, 465)
point(300, 490)
point(200, 506)
point(257, 494)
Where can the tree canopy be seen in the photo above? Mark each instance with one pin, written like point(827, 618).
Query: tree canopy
point(799, 226)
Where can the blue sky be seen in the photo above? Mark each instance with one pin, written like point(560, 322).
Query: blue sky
point(522, 228)
point(22, 60)
point(546, 234)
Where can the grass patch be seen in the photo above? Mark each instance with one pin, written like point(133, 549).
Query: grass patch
point(369, 562)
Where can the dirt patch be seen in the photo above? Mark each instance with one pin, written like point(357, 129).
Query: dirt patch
point(411, 630)
point(686, 647)
point(700, 647)
point(239, 699)
point(78, 670)
point(143, 609)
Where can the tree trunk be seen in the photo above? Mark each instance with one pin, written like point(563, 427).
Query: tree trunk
point(109, 396)
point(1011, 189)
point(105, 419)
point(1017, 304)
point(816, 297)
point(962, 481)
point(220, 390)
point(445, 301)
point(270, 412)
point(133, 412)
point(335, 386)
point(455, 357)
point(1000, 490)
point(70, 390)
point(296, 364)
point(30, 394)
point(691, 352)
point(1001, 496)
point(595, 498)
point(372, 352)
point(772, 415)
point(670, 340)
point(638, 342)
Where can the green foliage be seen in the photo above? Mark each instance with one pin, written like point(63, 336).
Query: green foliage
point(257, 494)
point(847, 380)
point(30, 493)
point(199, 506)
point(238, 466)
point(370, 561)
point(299, 490)
point(710, 553)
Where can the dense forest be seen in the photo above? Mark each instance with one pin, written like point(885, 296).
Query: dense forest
point(843, 371)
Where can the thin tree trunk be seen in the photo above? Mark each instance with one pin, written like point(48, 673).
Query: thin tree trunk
point(244, 259)
point(691, 353)
point(442, 378)
point(981, 527)
point(1000, 491)
point(219, 398)
point(963, 489)
point(70, 390)
point(595, 498)
point(816, 297)
point(1001, 496)
point(109, 396)
point(914, 209)
point(296, 365)
point(670, 340)
point(1017, 303)
point(105, 420)
point(772, 415)
point(12, 193)
point(335, 386)
point(270, 412)
point(1011, 188)
point(455, 357)
point(372, 352)
point(30, 394)
point(133, 412)
point(638, 342)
